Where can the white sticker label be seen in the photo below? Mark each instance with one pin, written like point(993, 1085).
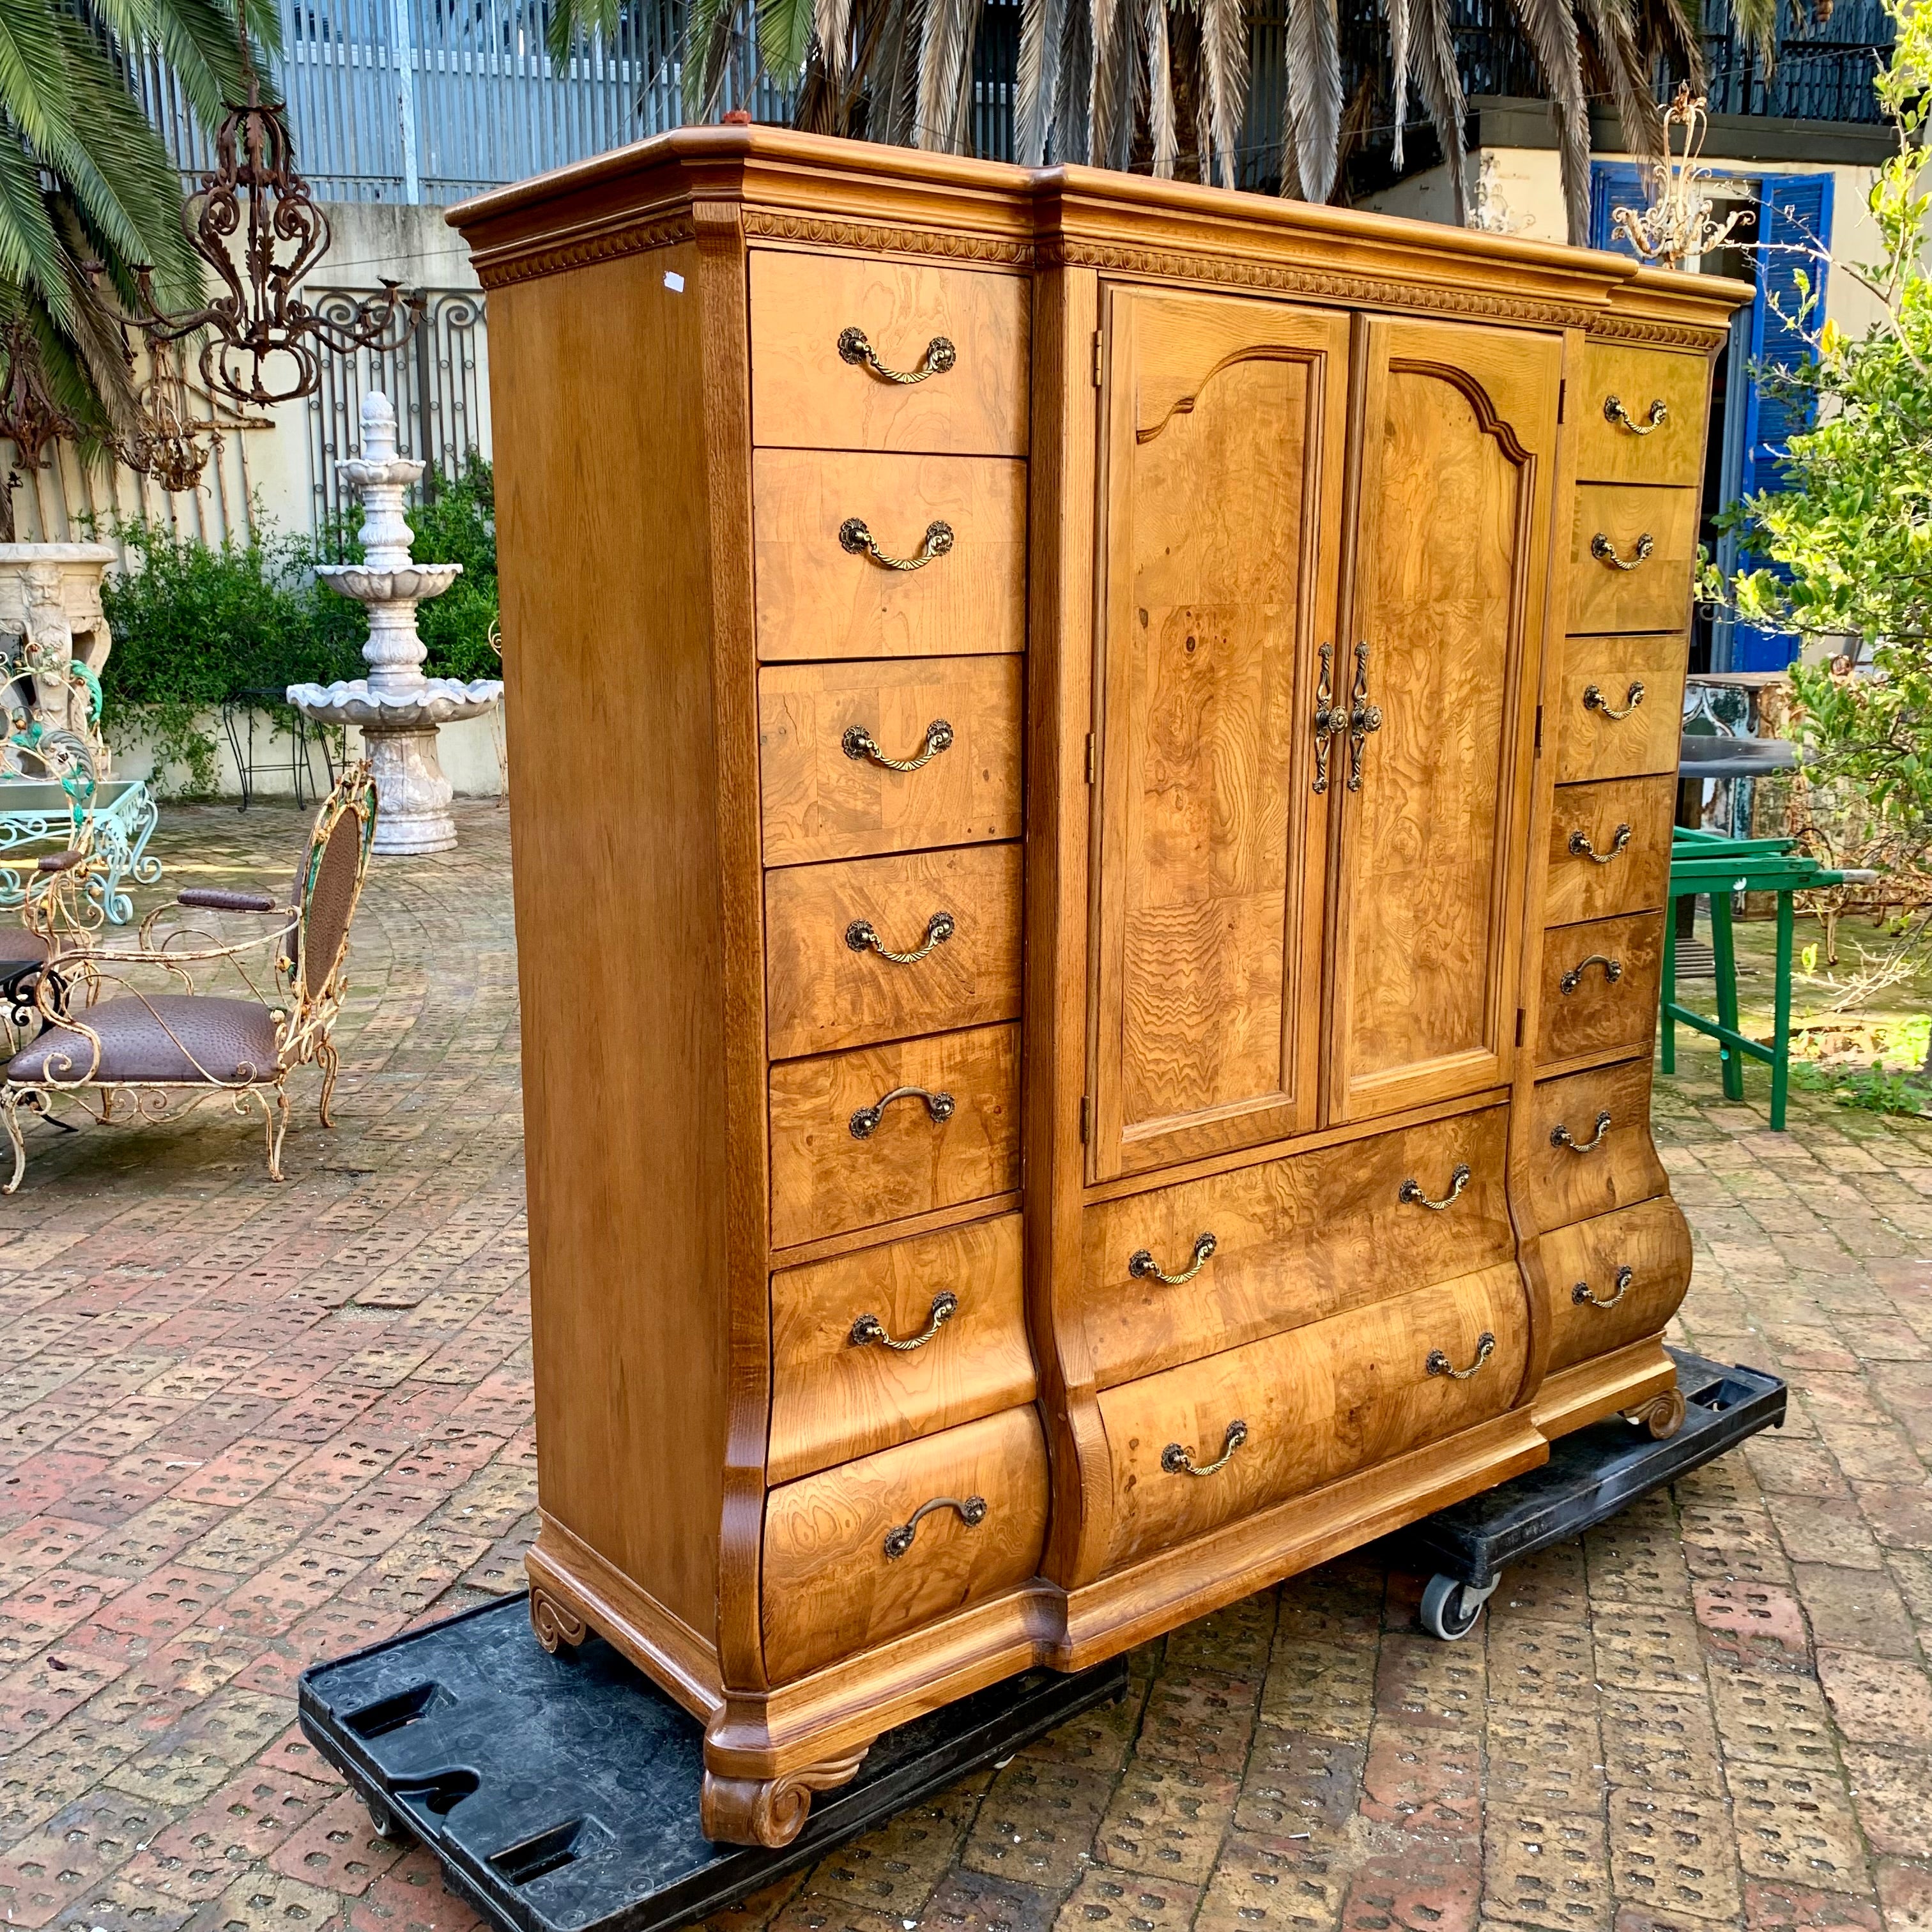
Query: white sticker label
point(674, 282)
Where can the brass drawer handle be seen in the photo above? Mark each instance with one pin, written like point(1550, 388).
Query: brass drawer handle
point(1411, 1190)
point(1141, 1265)
point(1581, 848)
point(939, 356)
point(865, 1121)
point(1560, 1135)
point(1605, 551)
point(1364, 717)
point(862, 937)
point(1580, 1294)
point(1438, 1364)
point(855, 537)
point(870, 1328)
point(858, 742)
point(1593, 699)
point(1615, 411)
point(1178, 1461)
point(972, 1513)
point(1613, 971)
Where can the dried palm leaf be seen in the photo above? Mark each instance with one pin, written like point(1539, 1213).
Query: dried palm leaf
point(1042, 34)
point(945, 77)
point(1224, 62)
point(1612, 26)
point(1550, 27)
point(1160, 92)
point(1401, 53)
point(1440, 87)
point(1312, 101)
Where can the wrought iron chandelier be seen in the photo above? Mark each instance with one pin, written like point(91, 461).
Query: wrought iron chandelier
point(1676, 224)
point(30, 417)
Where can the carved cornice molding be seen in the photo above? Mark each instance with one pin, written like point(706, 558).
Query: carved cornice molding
point(1615, 328)
point(632, 238)
point(828, 233)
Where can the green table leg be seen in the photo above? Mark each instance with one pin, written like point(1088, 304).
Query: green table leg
point(1667, 1025)
point(1780, 1039)
point(1725, 952)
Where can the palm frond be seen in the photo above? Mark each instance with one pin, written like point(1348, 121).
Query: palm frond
point(1160, 92)
point(785, 38)
point(945, 81)
point(1440, 85)
point(198, 39)
point(1757, 21)
point(34, 89)
point(1401, 53)
point(1042, 32)
point(1612, 29)
point(1224, 63)
point(1311, 123)
point(572, 20)
point(1072, 125)
point(1550, 27)
point(709, 27)
point(32, 258)
point(1110, 129)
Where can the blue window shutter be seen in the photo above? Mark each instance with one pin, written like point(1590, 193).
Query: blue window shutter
point(1795, 214)
point(1614, 184)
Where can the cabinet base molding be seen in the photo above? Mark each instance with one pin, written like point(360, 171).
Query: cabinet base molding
point(769, 1811)
point(1633, 1378)
point(556, 1627)
point(1663, 1415)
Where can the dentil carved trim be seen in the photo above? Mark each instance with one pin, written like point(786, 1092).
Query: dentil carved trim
point(1657, 334)
point(1663, 1415)
point(497, 272)
point(769, 1811)
point(554, 1624)
point(832, 234)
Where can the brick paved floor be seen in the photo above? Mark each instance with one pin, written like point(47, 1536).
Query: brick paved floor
point(242, 1427)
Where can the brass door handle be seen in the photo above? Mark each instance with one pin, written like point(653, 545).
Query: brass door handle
point(1364, 717)
point(1581, 1295)
point(1581, 848)
point(862, 937)
point(938, 1106)
point(855, 537)
point(1438, 1363)
point(1593, 699)
point(1605, 551)
point(1141, 1265)
point(939, 356)
point(869, 1328)
point(971, 1510)
point(1613, 971)
point(1615, 411)
point(1560, 1136)
point(1178, 1461)
point(858, 742)
point(1411, 1191)
point(1328, 720)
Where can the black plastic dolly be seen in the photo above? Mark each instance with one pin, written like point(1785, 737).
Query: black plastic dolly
point(1590, 1476)
point(560, 1793)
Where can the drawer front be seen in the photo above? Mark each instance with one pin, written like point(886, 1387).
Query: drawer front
point(844, 1156)
point(831, 1587)
point(1316, 1404)
point(820, 801)
point(1619, 707)
point(1295, 1241)
point(1585, 1006)
point(1641, 417)
point(1610, 848)
point(1589, 1146)
point(952, 1304)
point(809, 393)
point(887, 557)
point(1613, 1280)
point(1652, 593)
point(952, 917)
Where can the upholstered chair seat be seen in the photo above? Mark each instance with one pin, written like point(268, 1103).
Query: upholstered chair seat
point(164, 1037)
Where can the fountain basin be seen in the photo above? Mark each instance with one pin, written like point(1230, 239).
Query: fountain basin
point(429, 702)
point(368, 585)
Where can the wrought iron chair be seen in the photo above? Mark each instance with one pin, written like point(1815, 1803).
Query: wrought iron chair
point(170, 1050)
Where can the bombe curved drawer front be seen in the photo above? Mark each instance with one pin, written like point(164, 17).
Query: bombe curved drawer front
point(878, 948)
point(1610, 848)
point(1292, 1241)
point(960, 335)
point(861, 1554)
point(1312, 1405)
point(875, 556)
point(1598, 990)
point(1632, 553)
point(1613, 1280)
point(864, 1138)
point(1619, 707)
point(894, 1342)
point(888, 756)
point(1588, 1149)
point(1641, 419)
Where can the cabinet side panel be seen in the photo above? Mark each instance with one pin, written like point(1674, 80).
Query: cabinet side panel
point(600, 469)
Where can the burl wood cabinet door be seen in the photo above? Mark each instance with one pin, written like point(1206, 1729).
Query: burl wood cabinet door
point(1429, 769)
point(1224, 424)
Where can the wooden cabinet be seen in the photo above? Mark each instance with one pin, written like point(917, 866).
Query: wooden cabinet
point(1113, 902)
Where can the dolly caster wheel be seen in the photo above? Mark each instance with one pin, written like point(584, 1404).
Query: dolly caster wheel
point(1450, 1609)
point(382, 1820)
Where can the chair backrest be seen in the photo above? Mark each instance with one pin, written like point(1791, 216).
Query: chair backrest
point(329, 882)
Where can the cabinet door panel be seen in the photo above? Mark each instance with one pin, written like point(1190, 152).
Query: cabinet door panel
point(1447, 579)
point(1225, 424)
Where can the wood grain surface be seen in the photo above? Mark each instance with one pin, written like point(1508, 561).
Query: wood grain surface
point(1655, 596)
point(1600, 1015)
point(1590, 745)
point(1610, 451)
point(1562, 1184)
point(1650, 1240)
point(1580, 887)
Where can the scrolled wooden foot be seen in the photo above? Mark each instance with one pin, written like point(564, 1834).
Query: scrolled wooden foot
point(1663, 1415)
point(554, 1624)
point(769, 1811)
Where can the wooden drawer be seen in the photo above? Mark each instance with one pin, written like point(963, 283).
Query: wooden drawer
point(808, 393)
point(840, 1161)
point(1585, 1007)
point(1317, 1403)
point(1610, 848)
point(1589, 1260)
point(829, 983)
point(1641, 677)
point(838, 1391)
point(1294, 1240)
point(1655, 594)
point(820, 801)
point(821, 523)
point(1641, 415)
point(1588, 1149)
point(831, 1586)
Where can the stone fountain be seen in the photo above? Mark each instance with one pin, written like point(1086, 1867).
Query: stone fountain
point(395, 707)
